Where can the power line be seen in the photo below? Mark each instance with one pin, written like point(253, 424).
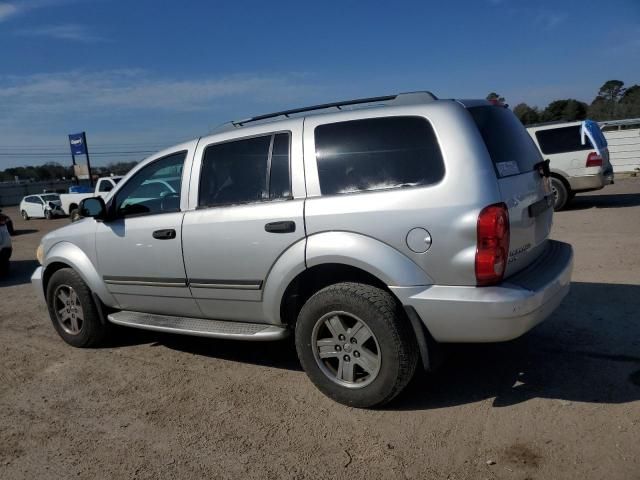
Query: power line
point(67, 154)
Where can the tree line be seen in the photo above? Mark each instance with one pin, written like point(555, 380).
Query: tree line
point(56, 171)
point(612, 102)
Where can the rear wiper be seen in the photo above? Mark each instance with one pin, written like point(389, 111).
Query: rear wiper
point(543, 168)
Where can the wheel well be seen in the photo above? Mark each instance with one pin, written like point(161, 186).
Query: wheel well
point(316, 278)
point(564, 182)
point(49, 271)
point(72, 206)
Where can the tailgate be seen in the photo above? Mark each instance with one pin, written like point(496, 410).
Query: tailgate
point(523, 189)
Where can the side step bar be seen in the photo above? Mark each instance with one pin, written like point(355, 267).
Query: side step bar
point(200, 327)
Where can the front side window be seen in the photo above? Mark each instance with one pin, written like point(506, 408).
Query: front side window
point(377, 154)
point(245, 171)
point(562, 140)
point(105, 186)
point(154, 189)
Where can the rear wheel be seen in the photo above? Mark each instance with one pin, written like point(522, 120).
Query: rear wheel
point(25, 215)
point(73, 311)
point(355, 344)
point(560, 193)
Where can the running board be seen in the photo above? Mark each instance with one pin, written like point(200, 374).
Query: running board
point(200, 327)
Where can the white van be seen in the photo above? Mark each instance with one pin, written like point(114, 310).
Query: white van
point(578, 155)
point(623, 137)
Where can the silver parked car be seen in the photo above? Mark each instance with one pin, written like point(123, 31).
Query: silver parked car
point(370, 233)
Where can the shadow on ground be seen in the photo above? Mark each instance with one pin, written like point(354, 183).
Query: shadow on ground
point(20, 272)
point(24, 231)
point(588, 351)
point(583, 202)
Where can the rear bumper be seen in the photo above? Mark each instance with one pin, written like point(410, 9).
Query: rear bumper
point(499, 313)
point(36, 282)
point(591, 182)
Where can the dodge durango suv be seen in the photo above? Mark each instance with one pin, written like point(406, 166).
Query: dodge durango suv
point(370, 229)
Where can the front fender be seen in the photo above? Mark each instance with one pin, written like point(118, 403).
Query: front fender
point(377, 258)
point(72, 255)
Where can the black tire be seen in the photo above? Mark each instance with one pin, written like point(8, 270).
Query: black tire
point(560, 192)
point(74, 215)
point(4, 267)
point(92, 331)
point(25, 215)
point(381, 313)
point(10, 228)
point(48, 215)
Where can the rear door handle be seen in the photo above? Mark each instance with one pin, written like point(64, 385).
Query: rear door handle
point(166, 234)
point(280, 227)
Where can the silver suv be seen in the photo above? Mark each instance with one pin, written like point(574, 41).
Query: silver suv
point(373, 229)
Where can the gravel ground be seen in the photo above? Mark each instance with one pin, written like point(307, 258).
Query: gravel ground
point(561, 402)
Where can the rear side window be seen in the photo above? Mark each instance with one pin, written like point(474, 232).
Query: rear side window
point(562, 140)
point(377, 154)
point(245, 171)
point(510, 147)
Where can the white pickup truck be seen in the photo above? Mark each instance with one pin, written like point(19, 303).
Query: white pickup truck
point(70, 201)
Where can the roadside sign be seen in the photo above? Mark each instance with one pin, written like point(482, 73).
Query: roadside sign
point(78, 144)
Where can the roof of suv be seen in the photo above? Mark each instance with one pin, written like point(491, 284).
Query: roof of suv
point(406, 98)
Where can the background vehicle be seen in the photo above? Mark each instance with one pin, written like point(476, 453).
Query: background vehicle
point(579, 163)
point(5, 245)
point(8, 223)
point(623, 138)
point(70, 201)
point(44, 205)
point(341, 227)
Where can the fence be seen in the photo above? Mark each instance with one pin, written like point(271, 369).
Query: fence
point(13, 193)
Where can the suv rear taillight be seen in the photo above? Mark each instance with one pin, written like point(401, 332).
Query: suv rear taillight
point(493, 244)
point(594, 160)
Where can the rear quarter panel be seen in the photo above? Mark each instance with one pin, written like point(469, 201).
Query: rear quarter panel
point(448, 210)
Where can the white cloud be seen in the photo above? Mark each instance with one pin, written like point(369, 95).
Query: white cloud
point(7, 10)
point(131, 89)
point(549, 20)
point(73, 32)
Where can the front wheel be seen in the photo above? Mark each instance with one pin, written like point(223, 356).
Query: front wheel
point(48, 215)
point(74, 215)
point(73, 311)
point(25, 215)
point(355, 344)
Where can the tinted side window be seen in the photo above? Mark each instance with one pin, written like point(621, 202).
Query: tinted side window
point(280, 181)
point(149, 190)
point(377, 154)
point(562, 140)
point(105, 186)
point(510, 147)
point(242, 171)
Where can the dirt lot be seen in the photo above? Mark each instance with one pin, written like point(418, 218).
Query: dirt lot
point(561, 402)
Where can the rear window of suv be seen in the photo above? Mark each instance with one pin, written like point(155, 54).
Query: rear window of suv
point(377, 154)
point(562, 140)
point(511, 148)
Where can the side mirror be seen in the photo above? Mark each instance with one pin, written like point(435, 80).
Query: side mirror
point(93, 207)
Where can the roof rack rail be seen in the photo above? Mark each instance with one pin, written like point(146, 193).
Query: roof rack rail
point(398, 99)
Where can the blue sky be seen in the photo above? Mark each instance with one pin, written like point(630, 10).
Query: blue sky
point(141, 75)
